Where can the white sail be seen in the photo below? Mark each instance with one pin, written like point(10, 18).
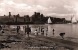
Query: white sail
point(74, 20)
point(49, 20)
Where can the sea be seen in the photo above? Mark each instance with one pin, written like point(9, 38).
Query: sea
point(70, 30)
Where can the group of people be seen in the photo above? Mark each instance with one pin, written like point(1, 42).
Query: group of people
point(27, 30)
point(40, 31)
point(43, 32)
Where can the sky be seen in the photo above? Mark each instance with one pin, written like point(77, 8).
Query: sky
point(57, 8)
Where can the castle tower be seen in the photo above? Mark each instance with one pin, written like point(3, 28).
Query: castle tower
point(9, 14)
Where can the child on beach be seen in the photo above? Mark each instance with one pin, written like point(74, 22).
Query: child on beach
point(62, 35)
point(42, 33)
point(2, 31)
point(36, 32)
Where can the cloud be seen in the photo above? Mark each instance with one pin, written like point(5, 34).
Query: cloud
point(69, 8)
point(22, 8)
point(60, 8)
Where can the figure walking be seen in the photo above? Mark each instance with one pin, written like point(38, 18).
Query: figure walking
point(62, 35)
point(46, 34)
point(46, 31)
point(18, 29)
point(42, 33)
point(0, 27)
point(28, 30)
point(25, 29)
point(53, 32)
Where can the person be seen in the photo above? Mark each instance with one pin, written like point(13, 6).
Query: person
point(42, 33)
point(62, 35)
point(2, 31)
point(28, 30)
point(42, 29)
point(46, 34)
point(25, 29)
point(0, 27)
point(18, 28)
point(46, 31)
point(36, 32)
point(53, 32)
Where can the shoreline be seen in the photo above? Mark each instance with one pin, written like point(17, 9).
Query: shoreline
point(40, 41)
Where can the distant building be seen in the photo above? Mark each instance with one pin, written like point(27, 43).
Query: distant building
point(26, 18)
point(36, 18)
point(17, 18)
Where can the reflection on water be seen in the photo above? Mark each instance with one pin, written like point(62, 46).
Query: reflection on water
point(71, 30)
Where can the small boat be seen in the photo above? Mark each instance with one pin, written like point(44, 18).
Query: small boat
point(49, 21)
point(73, 20)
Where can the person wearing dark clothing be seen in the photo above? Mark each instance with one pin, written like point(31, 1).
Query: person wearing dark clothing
point(25, 29)
point(42, 29)
point(42, 33)
point(18, 29)
point(46, 31)
point(0, 27)
point(62, 35)
point(46, 34)
point(53, 32)
point(2, 31)
point(28, 30)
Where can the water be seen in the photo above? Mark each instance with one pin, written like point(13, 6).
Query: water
point(71, 30)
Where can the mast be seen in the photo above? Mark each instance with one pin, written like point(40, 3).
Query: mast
point(71, 18)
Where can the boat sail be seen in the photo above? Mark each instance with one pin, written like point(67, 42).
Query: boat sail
point(73, 20)
point(49, 21)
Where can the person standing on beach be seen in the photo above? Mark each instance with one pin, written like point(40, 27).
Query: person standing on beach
point(28, 30)
point(0, 27)
point(46, 32)
point(25, 29)
point(53, 32)
point(62, 35)
point(42, 33)
point(42, 29)
point(36, 32)
point(18, 28)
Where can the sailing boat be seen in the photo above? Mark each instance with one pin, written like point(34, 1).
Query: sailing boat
point(73, 20)
point(49, 21)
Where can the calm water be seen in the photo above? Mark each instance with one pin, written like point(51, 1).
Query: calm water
point(71, 30)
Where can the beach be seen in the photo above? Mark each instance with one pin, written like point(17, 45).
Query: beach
point(36, 42)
